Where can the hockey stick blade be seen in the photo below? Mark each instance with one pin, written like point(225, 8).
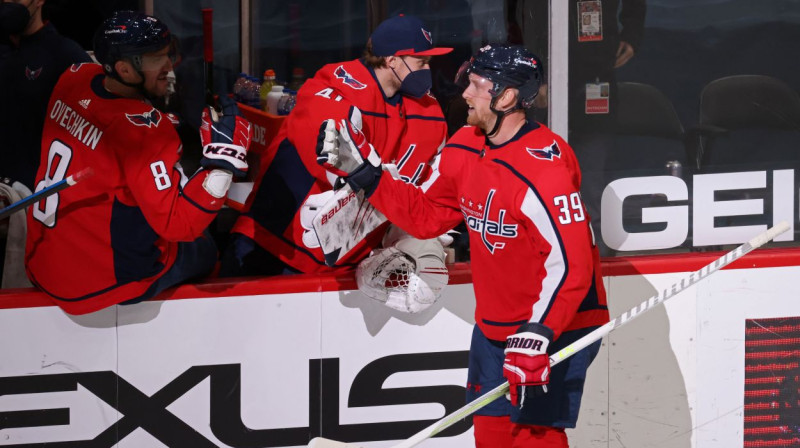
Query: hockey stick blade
point(583, 342)
point(321, 442)
point(45, 192)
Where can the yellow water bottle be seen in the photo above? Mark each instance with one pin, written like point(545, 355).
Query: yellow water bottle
point(266, 87)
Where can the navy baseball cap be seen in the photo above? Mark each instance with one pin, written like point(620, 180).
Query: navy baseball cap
point(404, 36)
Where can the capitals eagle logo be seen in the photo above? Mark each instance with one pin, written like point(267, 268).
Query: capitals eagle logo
point(32, 75)
point(348, 79)
point(546, 153)
point(148, 119)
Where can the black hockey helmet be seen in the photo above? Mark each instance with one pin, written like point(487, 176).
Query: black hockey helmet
point(505, 66)
point(127, 35)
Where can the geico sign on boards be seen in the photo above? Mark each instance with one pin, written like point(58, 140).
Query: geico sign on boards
point(150, 413)
point(747, 195)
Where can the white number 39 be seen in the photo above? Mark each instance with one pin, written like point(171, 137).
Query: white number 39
point(570, 209)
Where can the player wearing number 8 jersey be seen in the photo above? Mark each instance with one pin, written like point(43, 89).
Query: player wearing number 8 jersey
point(136, 226)
point(535, 268)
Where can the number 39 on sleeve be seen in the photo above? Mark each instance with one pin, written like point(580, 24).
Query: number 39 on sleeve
point(570, 208)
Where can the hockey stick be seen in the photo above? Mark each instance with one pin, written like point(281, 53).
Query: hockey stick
point(45, 192)
point(581, 343)
point(208, 54)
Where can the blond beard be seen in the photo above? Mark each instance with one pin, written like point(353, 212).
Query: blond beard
point(474, 120)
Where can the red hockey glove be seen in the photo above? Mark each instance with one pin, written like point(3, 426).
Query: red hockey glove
point(225, 138)
point(527, 365)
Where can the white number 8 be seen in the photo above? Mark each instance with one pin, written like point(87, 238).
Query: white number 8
point(160, 175)
point(58, 160)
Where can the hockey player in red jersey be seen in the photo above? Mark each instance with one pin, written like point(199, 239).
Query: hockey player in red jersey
point(136, 226)
point(535, 267)
point(387, 94)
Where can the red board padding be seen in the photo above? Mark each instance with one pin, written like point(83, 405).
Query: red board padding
point(460, 273)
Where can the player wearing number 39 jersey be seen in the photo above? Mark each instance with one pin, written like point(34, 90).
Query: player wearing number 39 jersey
point(535, 268)
point(136, 226)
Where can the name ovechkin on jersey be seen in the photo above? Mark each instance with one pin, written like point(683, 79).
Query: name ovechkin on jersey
point(77, 125)
point(478, 219)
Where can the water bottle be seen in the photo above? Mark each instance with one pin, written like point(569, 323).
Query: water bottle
point(272, 99)
point(255, 93)
point(247, 90)
point(238, 86)
point(266, 87)
point(286, 102)
point(298, 78)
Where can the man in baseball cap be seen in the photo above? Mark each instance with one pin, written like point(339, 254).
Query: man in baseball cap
point(393, 41)
point(385, 96)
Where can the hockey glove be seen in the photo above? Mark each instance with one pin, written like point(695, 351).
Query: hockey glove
point(225, 138)
point(527, 365)
point(308, 211)
point(344, 150)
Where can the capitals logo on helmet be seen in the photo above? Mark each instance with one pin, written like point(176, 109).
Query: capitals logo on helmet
point(348, 79)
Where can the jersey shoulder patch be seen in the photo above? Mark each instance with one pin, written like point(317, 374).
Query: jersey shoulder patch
point(547, 153)
point(148, 119)
point(347, 79)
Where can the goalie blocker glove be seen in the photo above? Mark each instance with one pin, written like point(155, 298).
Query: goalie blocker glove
point(225, 138)
point(527, 365)
point(343, 149)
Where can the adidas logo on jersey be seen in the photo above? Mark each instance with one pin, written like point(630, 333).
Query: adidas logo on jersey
point(85, 103)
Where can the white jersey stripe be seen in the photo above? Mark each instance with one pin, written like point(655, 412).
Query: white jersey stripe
point(555, 264)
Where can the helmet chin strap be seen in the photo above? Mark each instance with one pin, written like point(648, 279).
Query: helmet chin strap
point(500, 114)
point(136, 85)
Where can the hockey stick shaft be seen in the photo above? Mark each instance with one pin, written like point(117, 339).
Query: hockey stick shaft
point(45, 192)
point(208, 54)
point(583, 342)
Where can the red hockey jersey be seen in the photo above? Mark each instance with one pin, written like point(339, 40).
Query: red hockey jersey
point(405, 131)
point(108, 238)
point(532, 251)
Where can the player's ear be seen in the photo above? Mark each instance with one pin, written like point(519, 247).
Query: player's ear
point(391, 61)
point(126, 71)
point(507, 99)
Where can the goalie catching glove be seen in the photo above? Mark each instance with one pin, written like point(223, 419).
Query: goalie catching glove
point(225, 138)
point(409, 276)
point(343, 149)
point(526, 365)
